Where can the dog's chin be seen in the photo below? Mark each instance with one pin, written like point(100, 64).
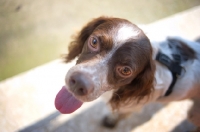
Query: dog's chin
point(87, 98)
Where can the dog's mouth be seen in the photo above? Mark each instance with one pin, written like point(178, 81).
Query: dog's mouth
point(65, 102)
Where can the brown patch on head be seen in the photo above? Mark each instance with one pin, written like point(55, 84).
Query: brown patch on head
point(101, 28)
point(137, 54)
point(76, 46)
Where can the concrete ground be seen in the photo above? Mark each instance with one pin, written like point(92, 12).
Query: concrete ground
point(27, 100)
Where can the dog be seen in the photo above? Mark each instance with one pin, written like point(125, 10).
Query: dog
point(117, 60)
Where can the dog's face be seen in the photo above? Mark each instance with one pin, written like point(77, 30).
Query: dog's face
point(112, 54)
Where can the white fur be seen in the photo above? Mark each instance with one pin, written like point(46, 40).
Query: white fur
point(188, 85)
point(124, 33)
point(96, 70)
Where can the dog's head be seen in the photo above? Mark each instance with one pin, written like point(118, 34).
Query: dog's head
point(113, 54)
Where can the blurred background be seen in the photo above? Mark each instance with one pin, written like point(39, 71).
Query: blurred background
point(33, 32)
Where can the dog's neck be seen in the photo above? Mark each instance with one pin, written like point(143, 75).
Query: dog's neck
point(163, 76)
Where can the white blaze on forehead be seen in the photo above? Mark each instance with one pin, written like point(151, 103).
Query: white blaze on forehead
point(126, 32)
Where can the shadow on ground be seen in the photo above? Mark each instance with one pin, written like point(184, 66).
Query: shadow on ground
point(90, 121)
point(184, 126)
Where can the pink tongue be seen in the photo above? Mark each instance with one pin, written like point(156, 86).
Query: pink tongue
point(65, 102)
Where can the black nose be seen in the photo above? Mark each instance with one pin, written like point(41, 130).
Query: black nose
point(80, 84)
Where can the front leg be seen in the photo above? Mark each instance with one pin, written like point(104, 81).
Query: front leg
point(124, 111)
point(111, 120)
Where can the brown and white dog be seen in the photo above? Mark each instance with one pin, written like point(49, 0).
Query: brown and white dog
point(116, 57)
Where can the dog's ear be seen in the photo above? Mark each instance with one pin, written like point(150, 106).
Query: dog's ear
point(76, 46)
point(140, 87)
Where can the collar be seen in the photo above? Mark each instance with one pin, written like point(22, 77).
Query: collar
point(173, 66)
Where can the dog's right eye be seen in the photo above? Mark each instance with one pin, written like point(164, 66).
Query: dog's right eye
point(94, 44)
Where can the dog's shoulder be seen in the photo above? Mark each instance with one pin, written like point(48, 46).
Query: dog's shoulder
point(178, 49)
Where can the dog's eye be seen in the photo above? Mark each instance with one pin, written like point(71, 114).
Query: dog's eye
point(94, 43)
point(124, 71)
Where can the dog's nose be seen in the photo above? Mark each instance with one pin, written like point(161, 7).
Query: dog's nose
point(80, 84)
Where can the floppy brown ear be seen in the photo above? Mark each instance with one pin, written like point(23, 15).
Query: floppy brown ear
point(76, 46)
point(139, 88)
